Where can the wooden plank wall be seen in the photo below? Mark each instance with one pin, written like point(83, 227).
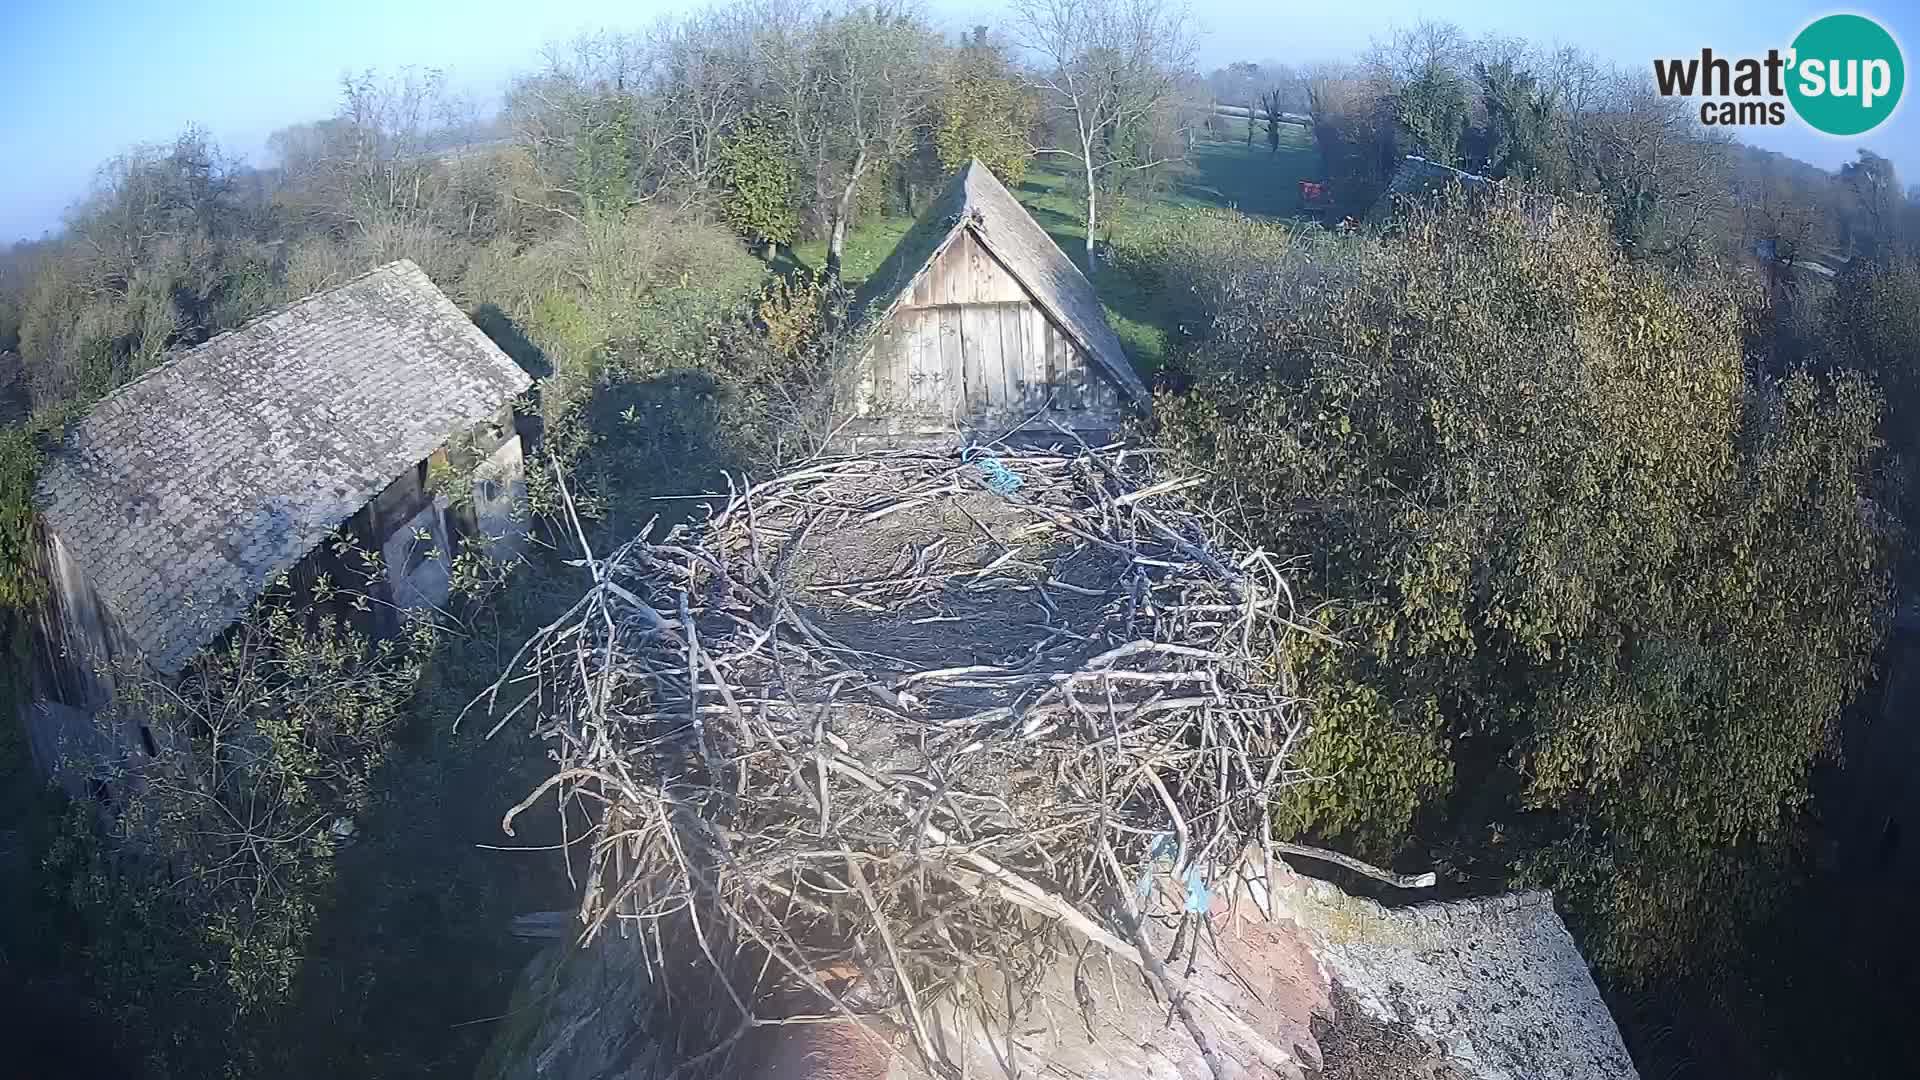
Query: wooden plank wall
point(970, 347)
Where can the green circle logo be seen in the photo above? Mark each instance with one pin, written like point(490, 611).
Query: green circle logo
point(1846, 74)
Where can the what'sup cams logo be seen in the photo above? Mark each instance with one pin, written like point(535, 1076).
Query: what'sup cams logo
point(1843, 76)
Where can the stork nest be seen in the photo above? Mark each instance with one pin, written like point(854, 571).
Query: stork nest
point(887, 722)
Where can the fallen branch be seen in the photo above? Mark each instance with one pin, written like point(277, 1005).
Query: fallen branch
point(1400, 881)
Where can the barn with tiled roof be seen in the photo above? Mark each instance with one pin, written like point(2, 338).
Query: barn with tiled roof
point(170, 508)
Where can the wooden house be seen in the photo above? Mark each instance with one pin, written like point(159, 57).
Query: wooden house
point(979, 323)
point(172, 506)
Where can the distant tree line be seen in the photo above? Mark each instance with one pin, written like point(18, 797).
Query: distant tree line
point(1562, 122)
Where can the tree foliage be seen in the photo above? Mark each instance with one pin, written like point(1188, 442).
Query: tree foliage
point(1520, 135)
point(755, 169)
point(21, 583)
point(200, 895)
point(983, 110)
point(165, 249)
point(1575, 554)
point(1602, 582)
point(1557, 121)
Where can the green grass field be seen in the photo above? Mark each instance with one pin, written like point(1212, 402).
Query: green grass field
point(1222, 173)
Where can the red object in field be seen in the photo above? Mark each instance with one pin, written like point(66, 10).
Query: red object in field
point(1312, 193)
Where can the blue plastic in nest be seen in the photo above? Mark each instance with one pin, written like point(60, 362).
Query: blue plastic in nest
point(1199, 898)
point(1001, 480)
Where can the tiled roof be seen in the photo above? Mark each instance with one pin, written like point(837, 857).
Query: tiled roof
point(976, 199)
point(183, 493)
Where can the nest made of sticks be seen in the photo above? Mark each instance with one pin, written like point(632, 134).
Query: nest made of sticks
point(884, 722)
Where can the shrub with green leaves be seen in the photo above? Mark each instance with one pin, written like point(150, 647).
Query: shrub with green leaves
point(1196, 258)
point(21, 585)
point(200, 896)
point(755, 171)
point(983, 110)
point(1601, 591)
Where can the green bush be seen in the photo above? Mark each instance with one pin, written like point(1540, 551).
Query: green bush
point(1193, 259)
point(199, 898)
point(21, 585)
point(1579, 557)
point(755, 167)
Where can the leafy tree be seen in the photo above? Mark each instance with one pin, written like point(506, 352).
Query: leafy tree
point(1418, 71)
point(983, 110)
point(754, 167)
point(1521, 125)
point(1870, 325)
point(1432, 112)
point(602, 156)
point(1555, 521)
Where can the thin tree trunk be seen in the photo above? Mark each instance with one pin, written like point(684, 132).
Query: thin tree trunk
point(842, 209)
point(1093, 208)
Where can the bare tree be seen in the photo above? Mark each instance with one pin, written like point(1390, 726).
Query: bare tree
point(1106, 67)
point(1874, 223)
point(1408, 54)
point(372, 165)
point(1782, 216)
point(594, 132)
point(389, 124)
point(1666, 179)
point(705, 88)
point(852, 88)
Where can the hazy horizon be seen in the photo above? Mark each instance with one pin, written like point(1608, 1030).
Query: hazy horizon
point(93, 80)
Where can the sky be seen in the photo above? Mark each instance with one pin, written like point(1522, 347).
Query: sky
point(86, 79)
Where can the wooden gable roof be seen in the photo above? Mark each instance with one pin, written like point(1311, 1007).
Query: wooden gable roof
point(977, 203)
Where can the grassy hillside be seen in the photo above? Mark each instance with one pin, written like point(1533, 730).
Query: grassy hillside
point(1226, 174)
